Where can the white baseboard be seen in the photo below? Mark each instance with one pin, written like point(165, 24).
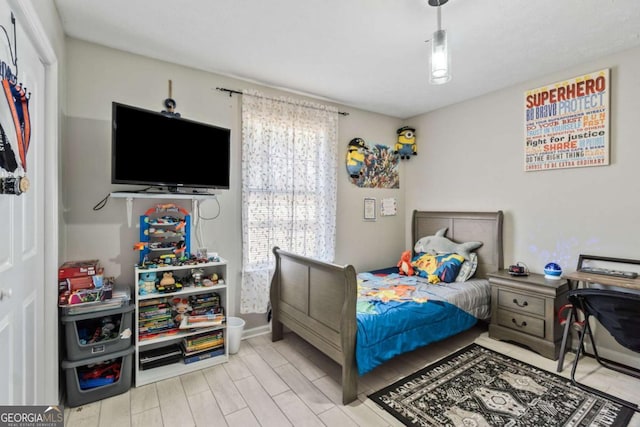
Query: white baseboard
point(626, 357)
point(257, 331)
point(616, 356)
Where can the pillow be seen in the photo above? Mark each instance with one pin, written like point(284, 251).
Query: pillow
point(438, 244)
point(437, 268)
point(468, 268)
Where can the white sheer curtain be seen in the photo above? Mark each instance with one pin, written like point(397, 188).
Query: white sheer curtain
point(289, 186)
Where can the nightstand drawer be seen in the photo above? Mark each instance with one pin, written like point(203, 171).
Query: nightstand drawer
point(521, 323)
point(521, 303)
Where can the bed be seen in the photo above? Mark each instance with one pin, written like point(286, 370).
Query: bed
point(318, 300)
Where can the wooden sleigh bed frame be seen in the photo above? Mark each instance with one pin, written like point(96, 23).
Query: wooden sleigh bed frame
point(317, 300)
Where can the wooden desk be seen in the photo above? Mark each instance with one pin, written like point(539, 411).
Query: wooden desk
point(601, 279)
point(577, 277)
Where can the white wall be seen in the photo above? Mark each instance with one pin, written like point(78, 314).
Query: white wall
point(98, 75)
point(368, 245)
point(472, 159)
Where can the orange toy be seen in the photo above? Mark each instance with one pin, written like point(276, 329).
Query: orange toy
point(405, 264)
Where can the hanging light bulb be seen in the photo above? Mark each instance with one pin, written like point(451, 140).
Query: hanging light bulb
point(440, 60)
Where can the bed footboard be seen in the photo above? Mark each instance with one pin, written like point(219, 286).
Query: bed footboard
point(317, 301)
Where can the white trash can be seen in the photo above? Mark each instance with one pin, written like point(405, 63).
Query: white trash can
point(235, 325)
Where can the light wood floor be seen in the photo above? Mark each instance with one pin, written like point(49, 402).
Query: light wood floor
point(290, 383)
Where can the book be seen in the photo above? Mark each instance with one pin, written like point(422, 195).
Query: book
point(150, 302)
point(157, 334)
point(214, 342)
point(188, 350)
point(144, 309)
point(202, 321)
point(203, 342)
point(203, 355)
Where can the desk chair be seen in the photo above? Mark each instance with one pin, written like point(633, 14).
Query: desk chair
point(619, 313)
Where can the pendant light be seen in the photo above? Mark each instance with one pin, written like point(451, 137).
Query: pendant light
point(440, 61)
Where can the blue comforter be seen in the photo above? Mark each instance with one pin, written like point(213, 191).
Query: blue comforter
point(397, 314)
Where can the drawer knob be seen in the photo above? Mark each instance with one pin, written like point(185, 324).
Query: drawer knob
point(521, 325)
point(524, 304)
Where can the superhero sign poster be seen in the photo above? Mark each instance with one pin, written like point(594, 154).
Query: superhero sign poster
point(567, 123)
point(372, 166)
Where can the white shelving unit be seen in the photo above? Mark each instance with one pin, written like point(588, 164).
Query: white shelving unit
point(146, 376)
point(130, 195)
point(152, 195)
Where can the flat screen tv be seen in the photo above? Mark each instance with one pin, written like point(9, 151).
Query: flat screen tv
point(162, 150)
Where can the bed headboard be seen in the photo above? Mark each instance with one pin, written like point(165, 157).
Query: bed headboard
point(485, 227)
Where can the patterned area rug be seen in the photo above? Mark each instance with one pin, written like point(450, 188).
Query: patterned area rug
point(479, 387)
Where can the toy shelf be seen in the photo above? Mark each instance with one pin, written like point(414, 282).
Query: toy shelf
point(191, 290)
point(173, 336)
point(168, 371)
point(165, 340)
point(182, 267)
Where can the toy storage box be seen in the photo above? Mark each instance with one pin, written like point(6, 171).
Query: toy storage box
point(78, 324)
point(78, 395)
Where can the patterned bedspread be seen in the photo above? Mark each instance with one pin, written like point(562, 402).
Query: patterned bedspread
point(397, 314)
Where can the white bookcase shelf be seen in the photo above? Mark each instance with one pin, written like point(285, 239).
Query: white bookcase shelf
point(162, 339)
point(153, 195)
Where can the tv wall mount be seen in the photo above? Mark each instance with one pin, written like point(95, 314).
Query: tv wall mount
point(170, 105)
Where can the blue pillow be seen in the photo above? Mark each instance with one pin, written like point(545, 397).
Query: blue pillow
point(468, 268)
point(437, 268)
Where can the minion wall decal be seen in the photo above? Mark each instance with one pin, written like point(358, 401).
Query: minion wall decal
point(374, 166)
point(355, 157)
point(406, 145)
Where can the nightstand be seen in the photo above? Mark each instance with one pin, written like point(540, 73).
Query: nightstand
point(524, 310)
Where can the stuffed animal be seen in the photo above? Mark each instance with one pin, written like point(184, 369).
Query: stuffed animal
point(438, 244)
point(181, 308)
point(404, 265)
point(168, 283)
point(147, 283)
point(406, 145)
point(210, 281)
point(167, 279)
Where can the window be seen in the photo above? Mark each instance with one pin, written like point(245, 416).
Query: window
point(289, 184)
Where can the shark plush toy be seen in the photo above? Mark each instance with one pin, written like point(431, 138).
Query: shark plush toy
point(438, 244)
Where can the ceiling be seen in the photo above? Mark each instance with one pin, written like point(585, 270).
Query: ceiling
point(368, 54)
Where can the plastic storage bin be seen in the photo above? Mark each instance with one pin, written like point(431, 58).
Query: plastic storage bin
point(81, 329)
point(97, 378)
